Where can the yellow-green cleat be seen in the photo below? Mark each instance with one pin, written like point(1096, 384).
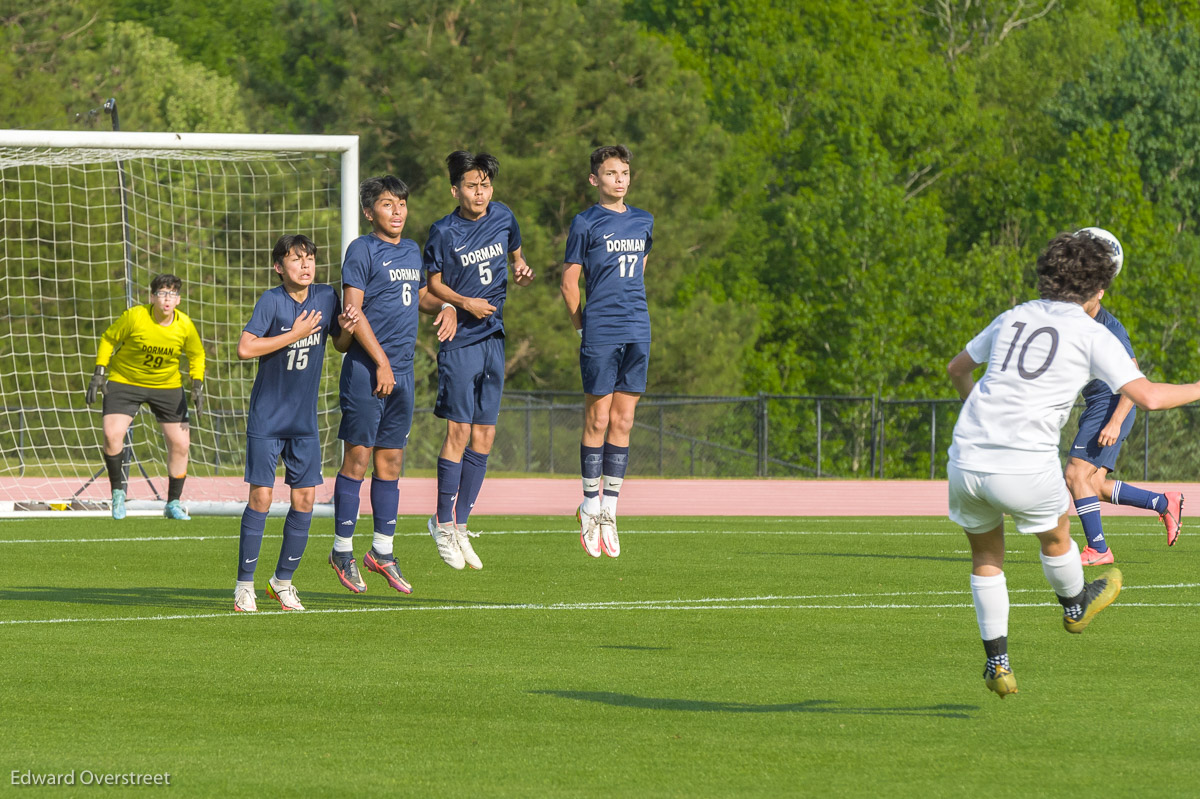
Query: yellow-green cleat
point(1097, 595)
point(1002, 681)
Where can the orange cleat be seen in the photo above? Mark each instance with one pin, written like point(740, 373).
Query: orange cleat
point(1172, 517)
point(1090, 557)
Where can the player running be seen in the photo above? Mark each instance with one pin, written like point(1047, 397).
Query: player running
point(608, 243)
point(1004, 457)
point(467, 257)
point(287, 332)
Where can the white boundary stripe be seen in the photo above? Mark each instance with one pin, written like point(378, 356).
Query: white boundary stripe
point(727, 603)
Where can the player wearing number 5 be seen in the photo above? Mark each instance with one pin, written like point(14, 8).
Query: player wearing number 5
point(608, 244)
point(138, 364)
point(467, 256)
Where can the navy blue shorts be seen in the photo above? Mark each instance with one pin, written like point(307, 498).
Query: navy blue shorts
point(470, 382)
point(614, 367)
point(370, 421)
point(301, 461)
point(1085, 446)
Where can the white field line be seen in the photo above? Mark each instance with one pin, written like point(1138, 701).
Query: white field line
point(723, 603)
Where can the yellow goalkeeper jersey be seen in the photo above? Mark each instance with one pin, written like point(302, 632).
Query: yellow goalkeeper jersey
point(140, 352)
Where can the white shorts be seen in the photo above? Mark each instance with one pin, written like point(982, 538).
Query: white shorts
point(979, 500)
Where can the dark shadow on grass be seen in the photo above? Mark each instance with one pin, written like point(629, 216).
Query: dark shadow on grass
point(873, 556)
point(634, 647)
point(810, 706)
point(204, 599)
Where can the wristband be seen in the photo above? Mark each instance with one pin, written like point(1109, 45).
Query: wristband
point(579, 330)
point(446, 305)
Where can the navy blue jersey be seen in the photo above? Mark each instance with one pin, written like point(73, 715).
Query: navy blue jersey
point(1098, 389)
point(612, 248)
point(473, 259)
point(283, 401)
point(390, 277)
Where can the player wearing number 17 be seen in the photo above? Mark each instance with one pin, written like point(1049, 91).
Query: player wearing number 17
point(608, 244)
point(287, 332)
point(1004, 457)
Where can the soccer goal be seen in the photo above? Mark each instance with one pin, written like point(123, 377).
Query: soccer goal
point(89, 218)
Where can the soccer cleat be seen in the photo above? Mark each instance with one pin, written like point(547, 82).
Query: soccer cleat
point(1172, 517)
point(608, 534)
point(464, 546)
point(462, 528)
point(446, 538)
point(244, 601)
point(1001, 680)
point(175, 511)
point(285, 595)
point(347, 571)
point(1097, 595)
point(589, 531)
point(118, 503)
point(1090, 557)
point(388, 568)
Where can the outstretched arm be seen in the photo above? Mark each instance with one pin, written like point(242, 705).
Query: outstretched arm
point(1160, 396)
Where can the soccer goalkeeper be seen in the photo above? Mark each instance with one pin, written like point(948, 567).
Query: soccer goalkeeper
point(137, 364)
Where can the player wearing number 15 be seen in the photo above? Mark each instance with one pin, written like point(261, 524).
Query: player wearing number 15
point(138, 364)
point(1004, 457)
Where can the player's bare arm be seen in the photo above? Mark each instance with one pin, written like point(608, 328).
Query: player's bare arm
point(1160, 396)
point(570, 294)
point(252, 346)
point(347, 320)
point(962, 373)
point(476, 306)
point(385, 381)
point(445, 319)
point(522, 274)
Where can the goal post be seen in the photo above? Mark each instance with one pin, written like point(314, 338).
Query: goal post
point(88, 219)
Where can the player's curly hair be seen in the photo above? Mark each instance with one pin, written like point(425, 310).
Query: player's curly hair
point(602, 154)
point(460, 162)
point(1074, 268)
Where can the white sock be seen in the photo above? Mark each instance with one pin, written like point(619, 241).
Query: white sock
point(608, 497)
point(343, 544)
point(247, 584)
point(591, 505)
point(281, 583)
point(1064, 572)
point(382, 544)
point(991, 605)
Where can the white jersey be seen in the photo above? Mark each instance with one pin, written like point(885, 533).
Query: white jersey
point(1038, 355)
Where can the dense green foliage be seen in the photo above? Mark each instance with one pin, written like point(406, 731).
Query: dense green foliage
point(844, 192)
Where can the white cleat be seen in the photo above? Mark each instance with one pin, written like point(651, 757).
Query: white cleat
point(589, 532)
point(464, 546)
point(608, 534)
point(244, 601)
point(285, 595)
point(446, 538)
point(462, 529)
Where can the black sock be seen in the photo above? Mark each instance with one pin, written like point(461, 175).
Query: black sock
point(175, 487)
point(997, 653)
point(116, 470)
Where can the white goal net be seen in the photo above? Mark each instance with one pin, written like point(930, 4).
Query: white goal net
point(89, 218)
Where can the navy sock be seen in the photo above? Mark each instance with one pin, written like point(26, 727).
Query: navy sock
point(616, 459)
point(385, 502)
point(295, 538)
point(345, 505)
point(1088, 509)
point(250, 542)
point(1134, 497)
point(449, 475)
point(474, 467)
point(591, 466)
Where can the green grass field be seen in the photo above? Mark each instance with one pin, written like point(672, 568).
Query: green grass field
point(715, 657)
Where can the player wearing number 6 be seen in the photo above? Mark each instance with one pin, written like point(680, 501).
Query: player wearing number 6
point(608, 243)
point(381, 275)
point(138, 364)
point(1004, 457)
point(467, 256)
point(287, 333)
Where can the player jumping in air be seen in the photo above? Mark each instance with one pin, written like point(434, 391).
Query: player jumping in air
point(467, 257)
point(1104, 425)
point(138, 363)
point(287, 332)
point(382, 276)
point(1004, 457)
point(608, 243)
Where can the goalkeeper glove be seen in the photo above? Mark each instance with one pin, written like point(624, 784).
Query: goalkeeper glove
point(99, 384)
point(197, 396)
